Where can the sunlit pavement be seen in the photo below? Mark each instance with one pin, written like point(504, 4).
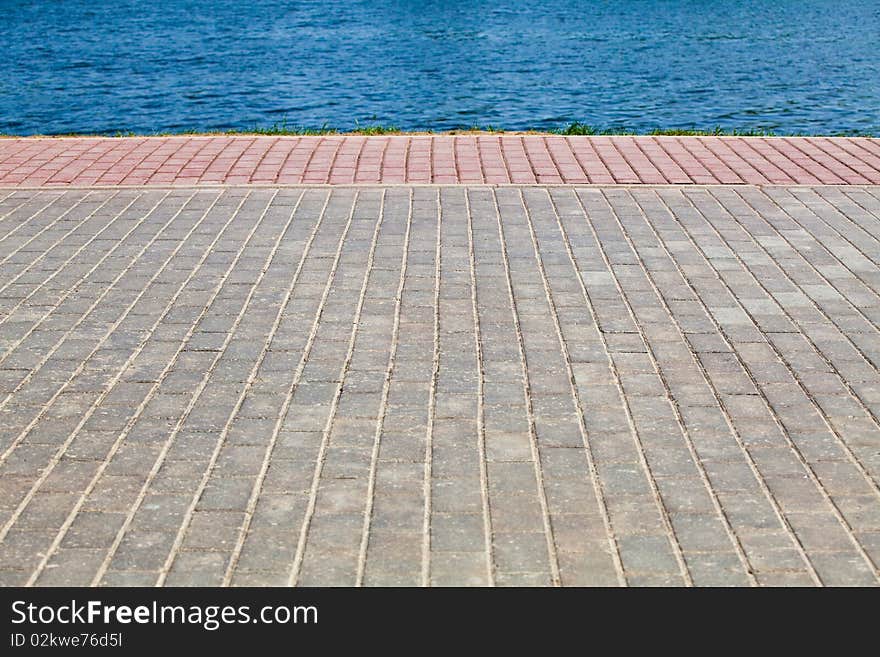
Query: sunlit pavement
point(394, 383)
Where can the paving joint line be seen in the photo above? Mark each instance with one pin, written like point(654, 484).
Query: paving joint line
point(325, 439)
point(383, 404)
point(59, 453)
point(427, 472)
point(576, 398)
point(8, 450)
point(488, 531)
point(792, 446)
point(535, 453)
point(105, 463)
point(835, 432)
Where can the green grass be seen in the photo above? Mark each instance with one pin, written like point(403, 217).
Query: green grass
point(578, 128)
point(280, 129)
point(284, 129)
point(376, 129)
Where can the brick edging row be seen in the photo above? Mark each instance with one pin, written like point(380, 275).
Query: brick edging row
point(438, 159)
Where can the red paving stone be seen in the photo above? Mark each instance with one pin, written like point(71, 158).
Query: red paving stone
point(439, 159)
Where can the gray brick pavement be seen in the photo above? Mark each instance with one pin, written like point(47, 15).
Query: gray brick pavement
point(440, 386)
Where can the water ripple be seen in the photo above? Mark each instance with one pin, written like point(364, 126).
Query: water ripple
point(794, 65)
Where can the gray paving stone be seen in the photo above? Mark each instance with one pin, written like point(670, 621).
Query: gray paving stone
point(657, 377)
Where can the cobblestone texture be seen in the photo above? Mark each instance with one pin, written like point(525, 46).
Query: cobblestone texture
point(440, 385)
point(442, 159)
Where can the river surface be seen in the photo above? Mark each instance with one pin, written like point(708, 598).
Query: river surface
point(172, 65)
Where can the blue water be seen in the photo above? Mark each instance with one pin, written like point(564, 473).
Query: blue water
point(167, 65)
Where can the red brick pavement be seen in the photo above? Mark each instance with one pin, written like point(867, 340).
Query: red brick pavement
point(483, 158)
